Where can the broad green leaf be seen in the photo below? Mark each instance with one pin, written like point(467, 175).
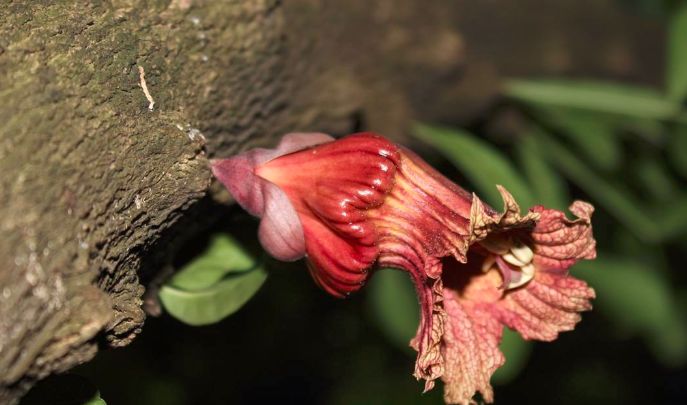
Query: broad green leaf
point(394, 304)
point(214, 285)
point(214, 303)
point(517, 352)
point(618, 202)
point(96, 400)
point(639, 300)
point(481, 162)
point(677, 52)
point(677, 149)
point(548, 187)
point(223, 255)
point(594, 96)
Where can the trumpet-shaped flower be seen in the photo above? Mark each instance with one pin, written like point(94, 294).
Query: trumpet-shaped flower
point(361, 202)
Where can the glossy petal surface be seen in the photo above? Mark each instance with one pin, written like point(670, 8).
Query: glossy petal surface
point(281, 233)
point(331, 187)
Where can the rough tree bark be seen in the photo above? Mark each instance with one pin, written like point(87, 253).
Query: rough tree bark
point(92, 182)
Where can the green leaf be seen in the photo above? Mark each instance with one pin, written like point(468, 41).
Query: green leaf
point(594, 96)
point(619, 203)
point(96, 400)
point(222, 256)
point(517, 352)
point(654, 177)
point(593, 133)
point(548, 187)
point(213, 286)
point(482, 163)
point(639, 300)
point(395, 306)
point(677, 53)
point(211, 305)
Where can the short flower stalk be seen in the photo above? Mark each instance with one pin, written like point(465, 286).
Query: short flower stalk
point(361, 202)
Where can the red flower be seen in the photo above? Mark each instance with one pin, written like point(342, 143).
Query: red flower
point(361, 201)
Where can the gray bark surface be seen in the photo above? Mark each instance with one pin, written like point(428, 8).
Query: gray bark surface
point(93, 184)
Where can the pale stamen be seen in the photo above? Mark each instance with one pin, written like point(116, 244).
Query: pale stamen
point(512, 258)
point(522, 252)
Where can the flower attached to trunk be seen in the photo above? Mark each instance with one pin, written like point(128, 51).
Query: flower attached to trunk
point(361, 202)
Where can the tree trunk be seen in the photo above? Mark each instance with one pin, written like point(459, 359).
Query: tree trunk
point(94, 176)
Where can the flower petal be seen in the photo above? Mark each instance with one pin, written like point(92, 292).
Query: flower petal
point(429, 364)
point(360, 200)
point(548, 305)
point(484, 220)
point(560, 242)
point(477, 308)
point(280, 233)
point(424, 218)
point(237, 173)
point(471, 343)
point(331, 187)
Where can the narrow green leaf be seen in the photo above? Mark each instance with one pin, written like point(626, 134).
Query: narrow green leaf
point(222, 256)
point(592, 133)
point(640, 301)
point(214, 303)
point(517, 352)
point(677, 53)
point(395, 306)
point(594, 96)
point(618, 203)
point(482, 163)
point(548, 187)
point(653, 175)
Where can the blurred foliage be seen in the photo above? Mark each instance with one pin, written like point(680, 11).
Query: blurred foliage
point(214, 285)
point(469, 154)
point(677, 52)
point(393, 303)
point(640, 301)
